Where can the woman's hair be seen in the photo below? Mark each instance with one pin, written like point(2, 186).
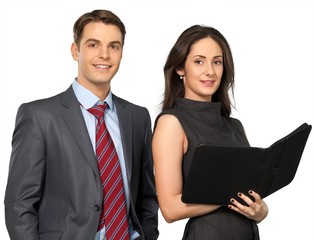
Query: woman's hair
point(104, 16)
point(174, 87)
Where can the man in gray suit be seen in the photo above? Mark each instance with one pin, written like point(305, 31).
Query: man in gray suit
point(54, 189)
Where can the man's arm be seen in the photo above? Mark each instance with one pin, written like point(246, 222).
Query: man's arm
point(148, 200)
point(26, 173)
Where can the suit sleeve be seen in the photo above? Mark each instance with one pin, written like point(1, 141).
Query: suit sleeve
point(26, 174)
point(148, 201)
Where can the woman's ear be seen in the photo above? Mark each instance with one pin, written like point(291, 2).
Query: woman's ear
point(180, 72)
point(74, 51)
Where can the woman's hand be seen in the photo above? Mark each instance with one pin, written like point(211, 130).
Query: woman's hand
point(256, 210)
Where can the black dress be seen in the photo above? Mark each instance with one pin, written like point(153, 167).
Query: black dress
point(203, 123)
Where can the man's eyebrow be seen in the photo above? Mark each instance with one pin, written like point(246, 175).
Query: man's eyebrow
point(116, 42)
point(98, 41)
point(92, 40)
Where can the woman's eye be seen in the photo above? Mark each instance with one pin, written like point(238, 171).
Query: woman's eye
point(199, 62)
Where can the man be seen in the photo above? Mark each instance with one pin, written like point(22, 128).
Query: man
point(55, 186)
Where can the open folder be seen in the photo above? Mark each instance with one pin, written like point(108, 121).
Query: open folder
point(218, 173)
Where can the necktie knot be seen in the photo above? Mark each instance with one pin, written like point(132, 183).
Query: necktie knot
point(98, 110)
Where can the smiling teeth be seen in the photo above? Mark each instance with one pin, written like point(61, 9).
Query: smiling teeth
point(101, 66)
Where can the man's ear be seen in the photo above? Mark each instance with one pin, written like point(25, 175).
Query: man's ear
point(74, 51)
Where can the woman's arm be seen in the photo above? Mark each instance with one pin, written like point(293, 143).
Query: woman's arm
point(256, 210)
point(169, 145)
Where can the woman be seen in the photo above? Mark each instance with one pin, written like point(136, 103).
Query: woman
point(196, 109)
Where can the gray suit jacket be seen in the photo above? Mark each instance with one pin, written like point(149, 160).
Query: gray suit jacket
point(54, 189)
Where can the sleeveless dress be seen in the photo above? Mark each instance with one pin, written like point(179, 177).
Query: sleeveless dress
point(203, 123)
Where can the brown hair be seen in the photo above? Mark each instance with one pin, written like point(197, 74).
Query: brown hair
point(104, 16)
point(174, 87)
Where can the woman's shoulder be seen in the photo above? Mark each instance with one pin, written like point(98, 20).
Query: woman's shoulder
point(166, 117)
point(236, 123)
point(234, 120)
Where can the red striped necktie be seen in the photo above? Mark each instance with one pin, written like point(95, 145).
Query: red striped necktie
point(113, 213)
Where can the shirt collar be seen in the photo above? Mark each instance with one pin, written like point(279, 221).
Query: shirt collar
point(88, 99)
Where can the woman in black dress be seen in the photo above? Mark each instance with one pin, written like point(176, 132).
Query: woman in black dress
point(196, 109)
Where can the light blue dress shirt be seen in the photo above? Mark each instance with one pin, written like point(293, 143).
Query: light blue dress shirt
point(87, 100)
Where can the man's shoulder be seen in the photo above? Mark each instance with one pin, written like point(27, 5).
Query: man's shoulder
point(121, 102)
point(47, 101)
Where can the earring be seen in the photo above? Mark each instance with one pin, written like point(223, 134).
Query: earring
point(181, 76)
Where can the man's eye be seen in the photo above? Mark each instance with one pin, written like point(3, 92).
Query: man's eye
point(93, 45)
point(114, 46)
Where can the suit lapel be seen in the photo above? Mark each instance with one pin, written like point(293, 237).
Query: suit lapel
point(125, 123)
point(76, 124)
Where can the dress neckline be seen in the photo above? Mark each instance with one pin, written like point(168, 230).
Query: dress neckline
point(198, 105)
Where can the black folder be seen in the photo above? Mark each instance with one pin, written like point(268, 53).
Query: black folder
point(218, 173)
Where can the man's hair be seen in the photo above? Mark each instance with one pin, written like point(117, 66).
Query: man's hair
point(104, 16)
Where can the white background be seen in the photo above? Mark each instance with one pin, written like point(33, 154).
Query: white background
point(273, 48)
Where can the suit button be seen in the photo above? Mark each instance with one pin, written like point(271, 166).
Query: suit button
point(96, 208)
